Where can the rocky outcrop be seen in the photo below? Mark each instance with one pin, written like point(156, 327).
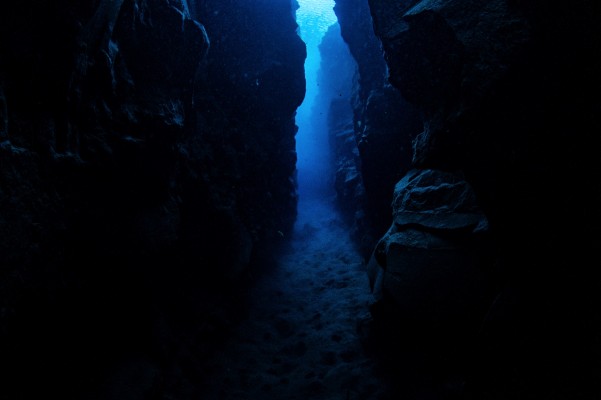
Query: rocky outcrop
point(336, 76)
point(246, 112)
point(384, 124)
point(264, 73)
point(148, 156)
point(490, 110)
point(503, 87)
point(433, 257)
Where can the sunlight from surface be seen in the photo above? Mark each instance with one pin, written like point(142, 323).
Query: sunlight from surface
point(314, 17)
point(314, 174)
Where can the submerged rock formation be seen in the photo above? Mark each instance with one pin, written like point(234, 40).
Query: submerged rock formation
point(506, 91)
point(147, 155)
point(435, 254)
point(147, 161)
point(384, 123)
point(336, 79)
point(248, 92)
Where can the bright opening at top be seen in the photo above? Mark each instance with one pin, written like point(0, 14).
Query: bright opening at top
point(314, 18)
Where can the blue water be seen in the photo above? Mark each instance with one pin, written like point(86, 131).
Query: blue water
point(315, 177)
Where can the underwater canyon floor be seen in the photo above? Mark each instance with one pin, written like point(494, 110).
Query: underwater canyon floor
point(300, 338)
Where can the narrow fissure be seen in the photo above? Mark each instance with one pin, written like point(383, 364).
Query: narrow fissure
point(301, 336)
point(299, 199)
point(315, 176)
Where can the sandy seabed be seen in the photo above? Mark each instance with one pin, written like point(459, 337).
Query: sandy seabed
point(300, 339)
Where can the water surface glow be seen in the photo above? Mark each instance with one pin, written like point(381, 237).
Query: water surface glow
point(314, 17)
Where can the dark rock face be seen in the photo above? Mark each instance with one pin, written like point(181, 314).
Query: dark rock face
point(432, 256)
point(336, 76)
point(246, 97)
point(147, 155)
point(384, 123)
point(505, 87)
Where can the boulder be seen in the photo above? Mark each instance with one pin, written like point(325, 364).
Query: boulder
point(432, 263)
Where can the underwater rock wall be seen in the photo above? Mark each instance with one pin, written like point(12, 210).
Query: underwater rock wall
point(248, 91)
point(506, 89)
point(503, 88)
point(147, 153)
point(384, 123)
point(336, 80)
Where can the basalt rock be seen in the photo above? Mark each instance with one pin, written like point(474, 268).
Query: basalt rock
point(246, 111)
point(336, 76)
point(384, 123)
point(433, 257)
point(504, 88)
point(143, 167)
